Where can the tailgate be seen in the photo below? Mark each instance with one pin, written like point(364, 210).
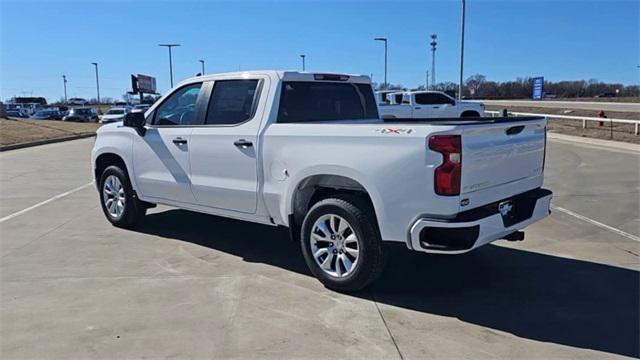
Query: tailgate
point(500, 153)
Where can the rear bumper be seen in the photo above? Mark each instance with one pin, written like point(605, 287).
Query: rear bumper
point(474, 228)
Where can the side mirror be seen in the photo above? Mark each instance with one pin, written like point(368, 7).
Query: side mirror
point(135, 120)
point(453, 102)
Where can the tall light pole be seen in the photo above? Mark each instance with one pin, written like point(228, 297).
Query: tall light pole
point(201, 62)
point(64, 81)
point(433, 44)
point(386, 85)
point(302, 56)
point(97, 82)
point(461, 50)
point(169, 46)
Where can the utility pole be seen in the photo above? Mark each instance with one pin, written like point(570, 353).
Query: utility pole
point(386, 84)
point(433, 44)
point(461, 50)
point(64, 81)
point(426, 83)
point(302, 56)
point(201, 62)
point(97, 82)
point(169, 46)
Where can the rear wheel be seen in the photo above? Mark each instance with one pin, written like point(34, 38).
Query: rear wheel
point(119, 203)
point(341, 243)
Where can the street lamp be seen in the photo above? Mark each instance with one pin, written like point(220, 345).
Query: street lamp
point(303, 64)
point(461, 50)
point(169, 46)
point(386, 85)
point(202, 62)
point(97, 82)
point(433, 44)
point(64, 81)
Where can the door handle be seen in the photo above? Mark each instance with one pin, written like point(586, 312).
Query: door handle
point(514, 130)
point(417, 108)
point(242, 143)
point(436, 107)
point(179, 141)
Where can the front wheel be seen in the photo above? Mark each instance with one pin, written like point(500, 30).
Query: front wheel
point(119, 203)
point(341, 243)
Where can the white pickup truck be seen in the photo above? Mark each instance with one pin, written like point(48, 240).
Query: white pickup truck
point(429, 104)
point(309, 152)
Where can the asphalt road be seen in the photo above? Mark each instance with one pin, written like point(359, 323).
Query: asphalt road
point(585, 105)
point(193, 285)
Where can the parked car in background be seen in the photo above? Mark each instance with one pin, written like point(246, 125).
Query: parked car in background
point(16, 114)
point(84, 114)
point(48, 114)
point(113, 115)
point(77, 101)
point(141, 108)
point(310, 152)
point(121, 104)
point(430, 104)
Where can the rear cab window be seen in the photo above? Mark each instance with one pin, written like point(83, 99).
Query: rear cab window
point(314, 101)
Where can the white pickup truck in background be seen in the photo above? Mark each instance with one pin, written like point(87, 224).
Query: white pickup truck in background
point(429, 104)
point(387, 97)
point(310, 152)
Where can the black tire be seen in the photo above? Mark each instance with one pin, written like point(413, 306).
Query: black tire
point(134, 209)
point(361, 217)
point(469, 114)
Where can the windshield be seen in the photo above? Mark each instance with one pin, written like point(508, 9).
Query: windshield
point(115, 112)
point(81, 111)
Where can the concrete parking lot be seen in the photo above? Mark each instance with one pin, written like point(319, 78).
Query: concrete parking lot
point(191, 285)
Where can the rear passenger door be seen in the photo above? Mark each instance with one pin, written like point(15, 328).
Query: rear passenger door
point(224, 168)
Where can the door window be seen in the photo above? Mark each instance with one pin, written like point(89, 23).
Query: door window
point(232, 102)
point(179, 108)
point(431, 99)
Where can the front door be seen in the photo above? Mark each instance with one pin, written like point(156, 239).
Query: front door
point(161, 156)
point(224, 169)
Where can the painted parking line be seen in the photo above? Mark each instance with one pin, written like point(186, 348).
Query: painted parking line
point(596, 223)
point(556, 208)
point(59, 196)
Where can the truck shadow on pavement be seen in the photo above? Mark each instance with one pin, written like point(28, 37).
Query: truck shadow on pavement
point(530, 295)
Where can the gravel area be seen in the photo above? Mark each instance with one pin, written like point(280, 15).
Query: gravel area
point(608, 130)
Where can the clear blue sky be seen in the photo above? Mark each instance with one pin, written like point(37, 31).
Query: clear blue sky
point(561, 40)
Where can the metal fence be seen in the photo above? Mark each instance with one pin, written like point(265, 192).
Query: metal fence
point(584, 119)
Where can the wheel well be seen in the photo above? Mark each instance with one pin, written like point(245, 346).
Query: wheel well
point(105, 160)
point(470, 113)
point(318, 187)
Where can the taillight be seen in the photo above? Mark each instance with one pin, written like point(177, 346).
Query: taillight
point(447, 175)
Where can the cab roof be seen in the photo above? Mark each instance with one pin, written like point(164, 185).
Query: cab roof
point(288, 76)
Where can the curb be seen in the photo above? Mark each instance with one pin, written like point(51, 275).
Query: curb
point(44, 142)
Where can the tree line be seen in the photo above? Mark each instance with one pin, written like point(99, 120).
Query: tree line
point(477, 86)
